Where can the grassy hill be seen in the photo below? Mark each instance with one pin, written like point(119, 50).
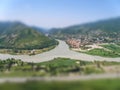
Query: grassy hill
point(16, 35)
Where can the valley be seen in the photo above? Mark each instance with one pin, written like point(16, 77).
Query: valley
point(62, 50)
point(59, 44)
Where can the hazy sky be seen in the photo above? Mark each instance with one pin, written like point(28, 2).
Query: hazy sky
point(57, 13)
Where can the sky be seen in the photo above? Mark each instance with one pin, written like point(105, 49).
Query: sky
point(58, 13)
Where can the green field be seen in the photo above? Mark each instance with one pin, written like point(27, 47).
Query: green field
point(104, 84)
point(103, 53)
point(113, 47)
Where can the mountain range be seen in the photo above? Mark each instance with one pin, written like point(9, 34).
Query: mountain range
point(108, 27)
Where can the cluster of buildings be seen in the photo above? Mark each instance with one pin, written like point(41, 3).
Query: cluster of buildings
point(77, 43)
point(74, 43)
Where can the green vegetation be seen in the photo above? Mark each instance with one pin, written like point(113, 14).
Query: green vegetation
point(12, 68)
point(113, 47)
point(17, 36)
point(26, 52)
point(108, 26)
point(104, 84)
point(110, 50)
point(104, 30)
point(102, 52)
point(58, 66)
point(64, 66)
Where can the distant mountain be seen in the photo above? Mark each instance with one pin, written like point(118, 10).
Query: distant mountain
point(16, 35)
point(42, 30)
point(109, 27)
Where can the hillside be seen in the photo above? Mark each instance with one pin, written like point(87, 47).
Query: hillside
point(109, 28)
point(16, 35)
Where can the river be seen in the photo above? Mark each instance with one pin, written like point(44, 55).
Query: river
point(62, 50)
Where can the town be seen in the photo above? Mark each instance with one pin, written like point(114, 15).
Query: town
point(84, 43)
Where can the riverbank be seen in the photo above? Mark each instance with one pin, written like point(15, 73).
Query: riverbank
point(62, 50)
point(26, 52)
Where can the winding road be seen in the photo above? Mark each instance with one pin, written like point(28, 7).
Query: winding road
point(62, 50)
